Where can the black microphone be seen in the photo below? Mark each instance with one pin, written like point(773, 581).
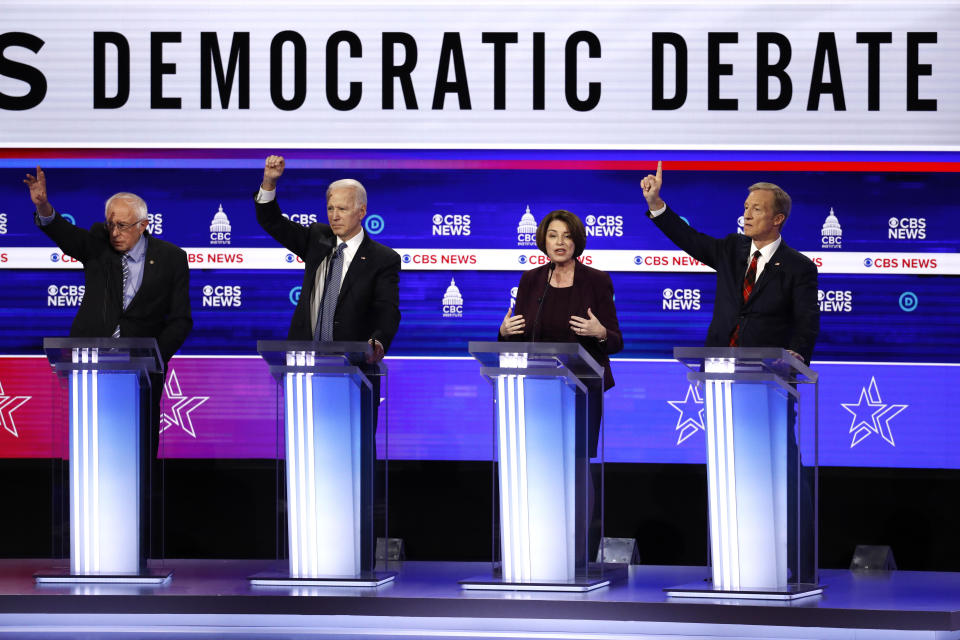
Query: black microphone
point(546, 287)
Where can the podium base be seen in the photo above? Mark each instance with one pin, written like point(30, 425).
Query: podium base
point(63, 576)
point(281, 579)
point(594, 579)
point(707, 590)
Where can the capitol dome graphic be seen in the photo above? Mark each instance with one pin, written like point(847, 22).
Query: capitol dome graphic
point(452, 301)
point(527, 230)
point(220, 222)
point(831, 232)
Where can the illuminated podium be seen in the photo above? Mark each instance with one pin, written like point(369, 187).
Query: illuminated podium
point(542, 446)
point(330, 408)
point(761, 497)
point(109, 388)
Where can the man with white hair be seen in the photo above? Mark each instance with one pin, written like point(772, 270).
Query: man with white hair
point(350, 282)
point(136, 286)
point(152, 301)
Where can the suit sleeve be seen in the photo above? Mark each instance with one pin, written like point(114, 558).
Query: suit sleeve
point(386, 301)
point(178, 321)
point(704, 248)
point(295, 237)
point(806, 312)
point(606, 313)
point(74, 241)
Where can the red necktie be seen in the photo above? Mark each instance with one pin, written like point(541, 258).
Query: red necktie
point(748, 281)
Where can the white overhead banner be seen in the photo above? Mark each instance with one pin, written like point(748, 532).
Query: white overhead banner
point(418, 74)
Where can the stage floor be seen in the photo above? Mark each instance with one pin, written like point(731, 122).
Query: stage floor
point(214, 597)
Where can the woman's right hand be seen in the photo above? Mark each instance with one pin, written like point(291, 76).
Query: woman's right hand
point(512, 325)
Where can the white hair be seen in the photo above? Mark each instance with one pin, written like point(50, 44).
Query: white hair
point(139, 206)
point(360, 194)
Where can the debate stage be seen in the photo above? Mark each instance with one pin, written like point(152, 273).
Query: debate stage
point(213, 598)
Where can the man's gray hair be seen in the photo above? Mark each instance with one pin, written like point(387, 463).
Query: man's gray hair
point(781, 201)
point(349, 183)
point(139, 206)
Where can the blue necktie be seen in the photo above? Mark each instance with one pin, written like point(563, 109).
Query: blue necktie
point(125, 271)
point(324, 329)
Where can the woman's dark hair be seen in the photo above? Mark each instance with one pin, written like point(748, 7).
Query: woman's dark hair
point(577, 233)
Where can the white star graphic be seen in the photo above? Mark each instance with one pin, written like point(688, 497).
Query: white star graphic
point(871, 415)
point(691, 413)
point(179, 406)
point(9, 404)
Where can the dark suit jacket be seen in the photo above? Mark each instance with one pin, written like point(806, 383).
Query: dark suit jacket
point(592, 289)
point(781, 312)
point(161, 307)
point(369, 302)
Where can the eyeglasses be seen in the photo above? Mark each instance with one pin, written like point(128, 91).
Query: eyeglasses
point(121, 227)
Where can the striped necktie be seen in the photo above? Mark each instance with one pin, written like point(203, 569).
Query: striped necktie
point(125, 272)
point(324, 329)
point(748, 281)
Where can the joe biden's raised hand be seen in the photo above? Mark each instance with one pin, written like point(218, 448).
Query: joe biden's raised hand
point(272, 170)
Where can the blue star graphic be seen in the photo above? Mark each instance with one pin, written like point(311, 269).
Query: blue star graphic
point(691, 413)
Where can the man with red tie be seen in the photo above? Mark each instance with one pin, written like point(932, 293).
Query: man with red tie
point(766, 292)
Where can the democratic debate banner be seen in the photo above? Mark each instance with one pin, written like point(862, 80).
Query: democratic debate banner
point(468, 124)
point(421, 74)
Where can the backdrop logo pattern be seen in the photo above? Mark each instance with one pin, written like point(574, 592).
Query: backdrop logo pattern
point(9, 404)
point(691, 409)
point(871, 415)
point(452, 301)
point(179, 407)
point(527, 230)
point(831, 234)
point(220, 228)
point(374, 224)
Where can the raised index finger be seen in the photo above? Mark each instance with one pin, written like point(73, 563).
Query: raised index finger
point(659, 170)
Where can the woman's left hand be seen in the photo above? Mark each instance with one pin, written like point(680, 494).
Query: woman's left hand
point(588, 327)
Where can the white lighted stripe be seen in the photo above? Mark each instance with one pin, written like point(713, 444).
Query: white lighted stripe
point(95, 462)
point(519, 568)
point(301, 471)
point(734, 533)
point(75, 537)
point(713, 491)
point(723, 502)
point(506, 522)
point(522, 484)
point(293, 531)
point(313, 564)
point(84, 464)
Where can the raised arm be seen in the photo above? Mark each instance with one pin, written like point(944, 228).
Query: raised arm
point(295, 237)
point(704, 248)
point(38, 193)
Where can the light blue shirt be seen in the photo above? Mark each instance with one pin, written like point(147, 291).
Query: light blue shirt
point(135, 261)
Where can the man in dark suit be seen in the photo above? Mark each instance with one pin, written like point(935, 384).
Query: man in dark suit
point(781, 309)
point(152, 300)
point(366, 306)
point(766, 297)
point(350, 292)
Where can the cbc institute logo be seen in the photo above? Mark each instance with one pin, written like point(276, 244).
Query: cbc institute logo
point(452, 301)
point(220, 228)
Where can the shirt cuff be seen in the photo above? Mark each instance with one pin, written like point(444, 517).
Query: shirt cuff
point(45, 220)
point(264, 196)
point(654, 214)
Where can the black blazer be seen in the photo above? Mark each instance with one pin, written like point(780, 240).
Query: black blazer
point(592, 289)
point(781, 312)
point(161, 308)
point(369, 303)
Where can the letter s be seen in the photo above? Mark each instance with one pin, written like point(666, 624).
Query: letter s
point(24, 72)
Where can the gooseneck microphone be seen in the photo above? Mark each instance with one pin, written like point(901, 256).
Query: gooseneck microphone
point(546, 287)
